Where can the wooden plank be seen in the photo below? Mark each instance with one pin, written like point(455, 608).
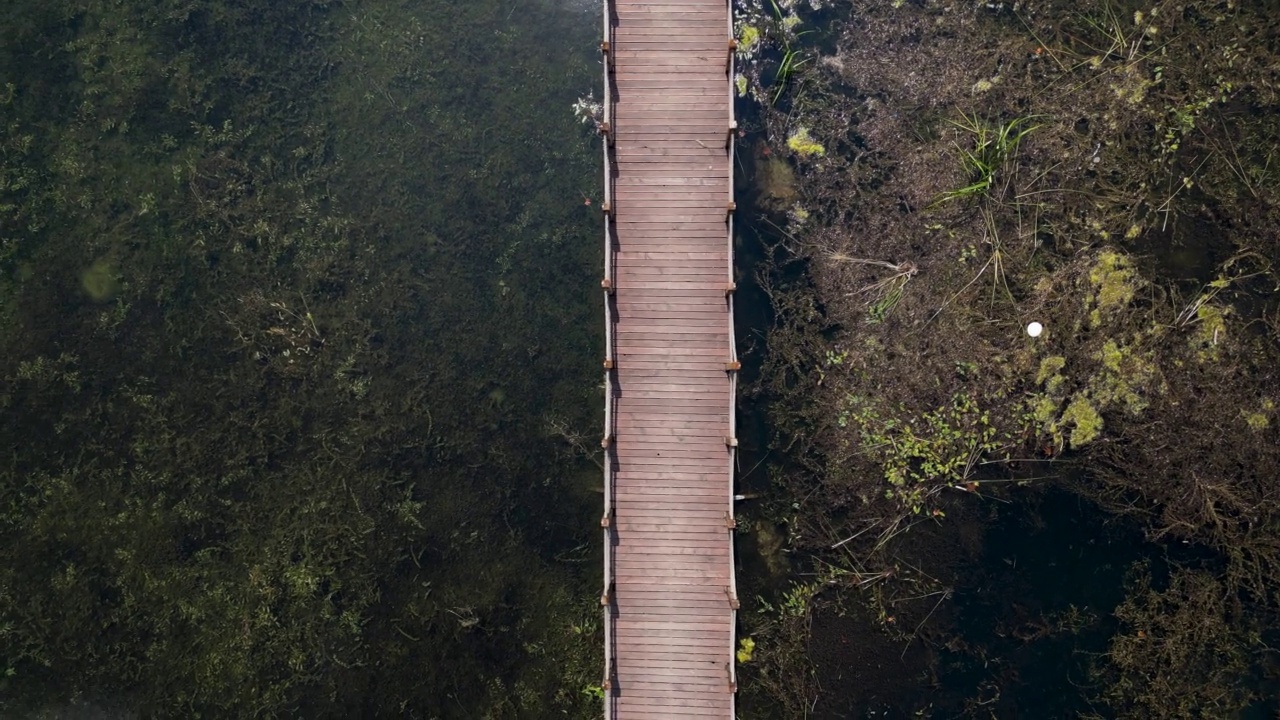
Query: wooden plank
point(723, 625)
point(672, 627)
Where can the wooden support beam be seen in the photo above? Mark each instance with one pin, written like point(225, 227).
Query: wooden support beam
point(607, 284)
point(731, 442)
point(607, 520)
point(733, 596)
point(730, 521)
point(733, 366)
point(728, 289)
point(608, 363)
point(606, 442)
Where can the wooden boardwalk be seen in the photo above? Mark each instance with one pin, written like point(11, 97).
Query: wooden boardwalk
point(671, 370)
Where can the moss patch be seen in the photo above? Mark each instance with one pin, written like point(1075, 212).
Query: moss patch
point(802, 143)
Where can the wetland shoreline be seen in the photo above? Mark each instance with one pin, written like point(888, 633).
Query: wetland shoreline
point(1028, 525)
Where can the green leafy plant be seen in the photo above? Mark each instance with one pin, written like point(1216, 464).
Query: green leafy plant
point(921, 455)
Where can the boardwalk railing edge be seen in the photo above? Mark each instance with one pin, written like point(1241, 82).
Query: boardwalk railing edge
point(730, 148)
point(607, 521)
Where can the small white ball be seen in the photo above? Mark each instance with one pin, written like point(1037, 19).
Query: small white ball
point(1034, 329)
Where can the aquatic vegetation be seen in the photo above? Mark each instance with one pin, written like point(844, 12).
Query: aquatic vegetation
point(1145, 396)
point(1183, 645)
point(922, 455)
point(748, 41)
point(1260, 419)
point(265, 437)
point(100, 281)
point(802, 143)
point(758, 27)
point(1114, 284)
point(1082, 417)
point(992, 148)
point(776, 181)
point(797, 216)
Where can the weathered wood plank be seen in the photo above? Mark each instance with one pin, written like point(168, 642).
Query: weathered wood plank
point(670, 548)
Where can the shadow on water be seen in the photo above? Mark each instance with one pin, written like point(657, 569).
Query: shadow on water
point(765, 565)
point(1031, 581)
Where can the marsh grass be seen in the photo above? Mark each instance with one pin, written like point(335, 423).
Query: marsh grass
point(792, 57)
point(993, 146)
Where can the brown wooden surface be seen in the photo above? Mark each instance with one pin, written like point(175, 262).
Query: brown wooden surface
point(670, 618)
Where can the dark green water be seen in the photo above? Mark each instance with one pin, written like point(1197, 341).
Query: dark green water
point(297, 336)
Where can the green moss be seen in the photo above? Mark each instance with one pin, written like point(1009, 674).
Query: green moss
point(740, 82)
point(1111, 356)
point(803, 144)
point(1131, 84)
point(1044, 410)
point(1125, 373)
point(748, 40)
point(1086, 420)
point(1049, 367)
point(1114, 285)
point(1260, 420)
point(1210, 330)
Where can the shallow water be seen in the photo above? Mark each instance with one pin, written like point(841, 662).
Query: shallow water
point(299, 342)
